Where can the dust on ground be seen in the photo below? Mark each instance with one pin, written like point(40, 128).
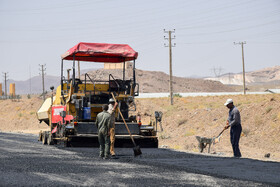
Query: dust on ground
point(187, 118)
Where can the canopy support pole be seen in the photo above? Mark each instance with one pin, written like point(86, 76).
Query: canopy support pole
point(61, 79)
point(124, 69)
point(73, 79)
point(134, 77)
point(79, 70)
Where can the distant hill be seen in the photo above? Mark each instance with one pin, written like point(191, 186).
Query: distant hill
point(156, 81)
point(269, 75)
point(23, 87)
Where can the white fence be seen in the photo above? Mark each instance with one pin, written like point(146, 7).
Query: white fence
point(159, 95)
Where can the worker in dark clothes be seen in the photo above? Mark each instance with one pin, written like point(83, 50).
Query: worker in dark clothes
point(234, 122)
point(103, 123)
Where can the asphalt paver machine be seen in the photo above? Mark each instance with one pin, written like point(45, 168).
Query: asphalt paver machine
point(72, 111)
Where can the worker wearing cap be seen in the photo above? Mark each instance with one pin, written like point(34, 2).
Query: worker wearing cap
point(234, 122)
point(103, 122)
point(112, 108)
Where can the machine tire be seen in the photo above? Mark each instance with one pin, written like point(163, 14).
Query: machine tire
point(44, 138)
point(66, 143)
point(40, 136)
point(50, 140)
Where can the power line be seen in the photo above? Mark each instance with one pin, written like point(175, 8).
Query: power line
point(237, 29)
point(263, 42)
point(227, 19)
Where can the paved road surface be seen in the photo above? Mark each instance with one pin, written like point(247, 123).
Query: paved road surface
point(26, 162)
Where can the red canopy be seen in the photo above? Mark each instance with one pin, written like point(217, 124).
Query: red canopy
point(100, 52)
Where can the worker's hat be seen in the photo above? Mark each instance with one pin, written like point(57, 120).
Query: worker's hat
point(228, 102)
point(111, 100)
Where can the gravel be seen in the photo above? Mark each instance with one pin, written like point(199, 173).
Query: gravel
point(26, 162)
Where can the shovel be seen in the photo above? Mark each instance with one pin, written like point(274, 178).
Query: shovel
point(221, 133)
point(136, 148)
point(217, 139)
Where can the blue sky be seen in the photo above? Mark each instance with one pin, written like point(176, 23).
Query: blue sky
point(36, 32)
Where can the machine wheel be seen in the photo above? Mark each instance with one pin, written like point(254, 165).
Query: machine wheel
point(50, 140)
point(40, 136)
point(66, 143)
point(44, 138)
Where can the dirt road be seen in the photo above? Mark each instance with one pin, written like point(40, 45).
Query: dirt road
point(26, 162)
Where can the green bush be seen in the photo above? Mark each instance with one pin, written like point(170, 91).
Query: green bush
point(268, 109)
point(177, 95)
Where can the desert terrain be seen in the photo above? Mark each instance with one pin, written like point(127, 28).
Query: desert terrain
point(187, 118)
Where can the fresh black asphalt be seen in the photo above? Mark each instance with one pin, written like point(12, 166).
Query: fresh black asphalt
point(26, 162)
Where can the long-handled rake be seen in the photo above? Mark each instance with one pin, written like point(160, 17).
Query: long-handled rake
point(136, 148)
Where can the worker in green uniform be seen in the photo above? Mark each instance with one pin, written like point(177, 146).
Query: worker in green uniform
point(103, 123)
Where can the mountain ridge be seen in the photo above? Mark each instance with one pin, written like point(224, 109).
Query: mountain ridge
point(157, 81)
point(265, 76)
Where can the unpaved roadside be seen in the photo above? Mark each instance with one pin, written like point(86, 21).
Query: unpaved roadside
point(204, 116)
point(187, 118)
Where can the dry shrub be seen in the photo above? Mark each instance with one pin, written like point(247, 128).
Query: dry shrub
point(184, 100)
point(278, 115)
point(245, 132)
point(272, 99)
point(258, 121)
point(190, 132)
point(274, 117)
point(274, 125)
point(176, 147)
point(268, 109)
point(164, 136)
point(182, 121)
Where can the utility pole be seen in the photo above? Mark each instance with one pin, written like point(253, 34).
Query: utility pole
point(242, 43)
point(42, 70)
point(229, 78)
point(170, 61)
point(5, 78)
point(29, 80)
point(217, 71)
